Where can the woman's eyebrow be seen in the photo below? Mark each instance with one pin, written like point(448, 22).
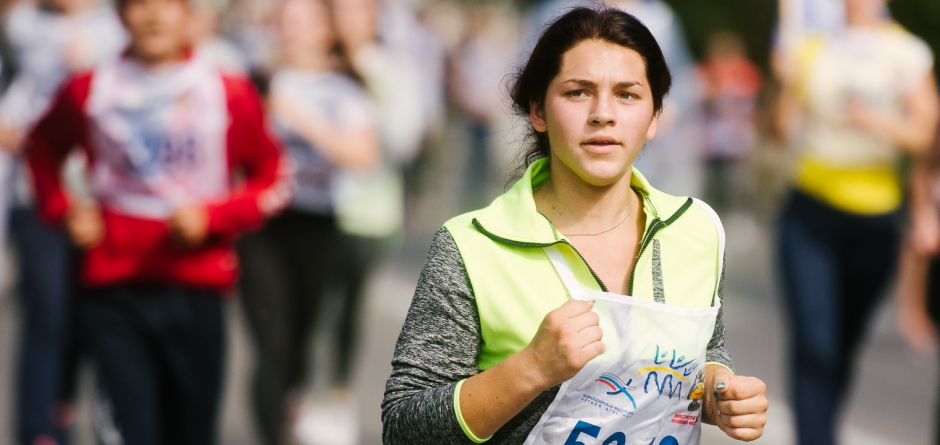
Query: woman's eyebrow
point(628, 84)
point(581, 82)
point(590, 83)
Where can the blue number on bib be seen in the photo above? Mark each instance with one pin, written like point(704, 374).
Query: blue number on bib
point(617, 438)
point(585, 428)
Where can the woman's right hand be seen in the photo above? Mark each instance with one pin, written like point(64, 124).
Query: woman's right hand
point(567, 339)
point(85, 224)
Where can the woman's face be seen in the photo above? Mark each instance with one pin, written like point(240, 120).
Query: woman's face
point(304, 28)
point(598, 112)
point(159, 29)
point(356, 20)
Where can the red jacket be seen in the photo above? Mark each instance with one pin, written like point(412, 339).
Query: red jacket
point(138, 250)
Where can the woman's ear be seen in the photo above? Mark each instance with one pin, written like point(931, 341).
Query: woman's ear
point(654, 125)
point(537, 116)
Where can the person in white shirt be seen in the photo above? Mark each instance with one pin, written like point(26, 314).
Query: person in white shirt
point(327, 121)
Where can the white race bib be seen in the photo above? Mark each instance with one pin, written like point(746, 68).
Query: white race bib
point(159, 137)
point(648, 387)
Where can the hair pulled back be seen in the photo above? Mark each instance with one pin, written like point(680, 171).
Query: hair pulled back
point(603, 23)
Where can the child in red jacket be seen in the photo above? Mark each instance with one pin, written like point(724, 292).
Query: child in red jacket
point(166, 134)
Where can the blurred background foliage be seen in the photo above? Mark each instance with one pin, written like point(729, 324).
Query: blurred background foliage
point(753, 20)
point(922, 17)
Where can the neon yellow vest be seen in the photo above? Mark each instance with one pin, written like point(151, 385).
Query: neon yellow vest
point(515, 285)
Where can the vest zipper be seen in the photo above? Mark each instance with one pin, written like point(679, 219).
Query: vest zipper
point(654, 227)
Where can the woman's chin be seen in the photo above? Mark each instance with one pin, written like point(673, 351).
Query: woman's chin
point(604, 177)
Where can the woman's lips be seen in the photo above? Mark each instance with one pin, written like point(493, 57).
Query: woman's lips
point(600, 145)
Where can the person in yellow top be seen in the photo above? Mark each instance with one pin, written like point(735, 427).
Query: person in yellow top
point(866, 98)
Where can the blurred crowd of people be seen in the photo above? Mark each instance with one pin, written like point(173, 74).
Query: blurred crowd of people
point(158, 155)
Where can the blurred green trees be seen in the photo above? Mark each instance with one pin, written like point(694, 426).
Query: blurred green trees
point(753, 20)
point(922, 17)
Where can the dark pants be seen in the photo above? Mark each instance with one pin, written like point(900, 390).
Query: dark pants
point(286, 267)
point(48, 347)
point(159, 353)
point(835, 268)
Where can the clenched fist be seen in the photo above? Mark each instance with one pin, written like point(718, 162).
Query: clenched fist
point(738, 404)
point(189, 226)
point(567, 339)
point(85, 225)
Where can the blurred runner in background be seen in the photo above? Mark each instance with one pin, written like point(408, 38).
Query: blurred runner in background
point(731, 84)
point(479, 64)
point(868, 97)
point(248, 24)
point(165, 133)
point(401, 64)
point(49, 41)
point(345, 201)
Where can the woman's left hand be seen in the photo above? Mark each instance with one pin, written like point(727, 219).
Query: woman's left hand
point(739, 404)
point(189, 226)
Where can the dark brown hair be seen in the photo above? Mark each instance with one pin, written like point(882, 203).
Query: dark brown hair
point(603, 23)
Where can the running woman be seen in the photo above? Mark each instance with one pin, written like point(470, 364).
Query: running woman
point(165, 134)
point(521, 330)
point(327, 122)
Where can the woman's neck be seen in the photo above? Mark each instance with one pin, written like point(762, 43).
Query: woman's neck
point(575, 206)
point(160, 60)
point(864, 19)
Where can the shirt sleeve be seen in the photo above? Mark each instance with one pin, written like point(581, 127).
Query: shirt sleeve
point(717, 353)
point(48, 144)
point(254, 152)
point(437, 349)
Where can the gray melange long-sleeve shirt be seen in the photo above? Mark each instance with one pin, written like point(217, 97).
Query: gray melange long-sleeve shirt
point(439, 345)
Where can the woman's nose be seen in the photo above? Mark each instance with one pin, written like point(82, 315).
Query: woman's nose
point(603, 111)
